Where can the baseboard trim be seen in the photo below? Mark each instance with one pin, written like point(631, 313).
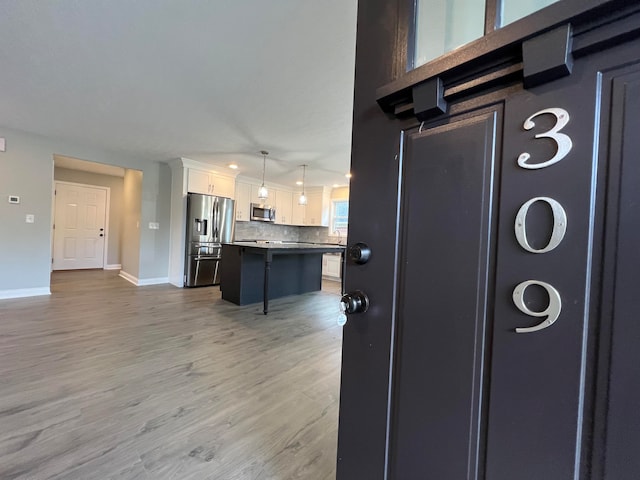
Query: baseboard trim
point(128, 277)
point(114, 266)
point(24, 292)
point(331, 278)
point(142, 282)
point(153, 281)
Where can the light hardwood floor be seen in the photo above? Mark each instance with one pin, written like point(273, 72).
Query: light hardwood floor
point(105, 380)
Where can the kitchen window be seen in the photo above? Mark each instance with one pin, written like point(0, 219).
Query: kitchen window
point(339, 217)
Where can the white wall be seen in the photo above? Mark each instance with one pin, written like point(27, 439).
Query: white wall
point(26, 169)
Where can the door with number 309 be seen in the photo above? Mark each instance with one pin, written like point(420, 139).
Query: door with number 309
point(499, 339)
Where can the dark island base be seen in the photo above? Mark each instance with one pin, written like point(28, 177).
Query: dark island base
point(242, 275)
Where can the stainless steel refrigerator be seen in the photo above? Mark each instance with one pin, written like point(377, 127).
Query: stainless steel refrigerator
point(209, 224)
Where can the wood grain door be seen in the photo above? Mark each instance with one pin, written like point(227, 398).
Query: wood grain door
point(79, 227)
point(498, 343)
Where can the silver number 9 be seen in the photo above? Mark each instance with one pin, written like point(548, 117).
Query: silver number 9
point(552, 312)
point(563, 142)
point(559, 225)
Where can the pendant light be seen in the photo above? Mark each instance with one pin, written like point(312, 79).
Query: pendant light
point(302, 200)
point(262, 191)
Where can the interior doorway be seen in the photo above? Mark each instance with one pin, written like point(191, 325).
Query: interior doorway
point(81, 216)
point(121, 232)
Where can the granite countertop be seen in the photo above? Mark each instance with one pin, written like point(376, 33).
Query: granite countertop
point(290, 245)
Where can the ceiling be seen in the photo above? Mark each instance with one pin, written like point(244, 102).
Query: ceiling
point(210, 80)
point(76, 164)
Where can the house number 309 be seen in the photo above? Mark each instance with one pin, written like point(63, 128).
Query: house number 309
point(564, 145)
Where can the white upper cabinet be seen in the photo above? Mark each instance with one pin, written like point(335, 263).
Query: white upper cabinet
point(210, 183)
point(284, 206)
point(297, 211)
point(243, 201)
point(288, 212)
point(270, 200)
point(318, 207)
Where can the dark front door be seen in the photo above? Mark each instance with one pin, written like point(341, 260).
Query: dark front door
point(496, 192)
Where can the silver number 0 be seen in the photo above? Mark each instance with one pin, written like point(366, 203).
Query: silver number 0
point(563, 142)
point(559, 225)
point(552, 312)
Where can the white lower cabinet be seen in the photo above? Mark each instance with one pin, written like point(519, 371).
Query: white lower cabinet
point(332, 266)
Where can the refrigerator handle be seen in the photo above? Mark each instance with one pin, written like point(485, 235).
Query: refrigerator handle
point(216, 220)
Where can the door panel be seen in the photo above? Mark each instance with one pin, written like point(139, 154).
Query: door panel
point(80, 214)
point(502, 339)
point(621, 369)
point(447, 203)
point(537, 378)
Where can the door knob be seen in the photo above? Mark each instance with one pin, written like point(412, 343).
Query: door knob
point(350, 303)
point(360, 253)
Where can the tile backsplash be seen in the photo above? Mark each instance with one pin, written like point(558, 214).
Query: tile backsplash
point(271, 231)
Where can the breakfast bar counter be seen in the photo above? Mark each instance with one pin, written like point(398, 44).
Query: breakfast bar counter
point(251, 272)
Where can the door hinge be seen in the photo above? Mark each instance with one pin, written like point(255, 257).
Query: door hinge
point(52, 260)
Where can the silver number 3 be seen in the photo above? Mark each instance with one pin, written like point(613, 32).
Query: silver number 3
point(552, 312)
point(563, 142)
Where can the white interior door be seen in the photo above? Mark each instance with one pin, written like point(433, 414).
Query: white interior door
point(79, 227)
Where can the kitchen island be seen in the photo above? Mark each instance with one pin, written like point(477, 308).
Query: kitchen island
point(251, 272)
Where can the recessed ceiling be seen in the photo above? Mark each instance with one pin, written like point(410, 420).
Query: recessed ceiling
point(215, 81)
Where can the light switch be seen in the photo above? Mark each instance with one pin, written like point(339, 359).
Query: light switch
point(30, 218)
point(14, 199)
point(3, 145)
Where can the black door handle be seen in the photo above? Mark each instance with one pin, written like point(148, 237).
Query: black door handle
point(356, 302)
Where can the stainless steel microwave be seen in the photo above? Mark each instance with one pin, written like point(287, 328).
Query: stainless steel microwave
point(263, 213)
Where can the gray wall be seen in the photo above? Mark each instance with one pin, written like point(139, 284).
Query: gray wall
point(116, 185)
point(131, 223)
point(26, 169)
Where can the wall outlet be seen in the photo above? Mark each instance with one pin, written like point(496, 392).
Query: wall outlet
point(154, 226)
point(3, 145)
point(30, 218)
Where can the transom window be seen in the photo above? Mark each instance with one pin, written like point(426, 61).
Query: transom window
point(444, 25)
point(513, 10)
